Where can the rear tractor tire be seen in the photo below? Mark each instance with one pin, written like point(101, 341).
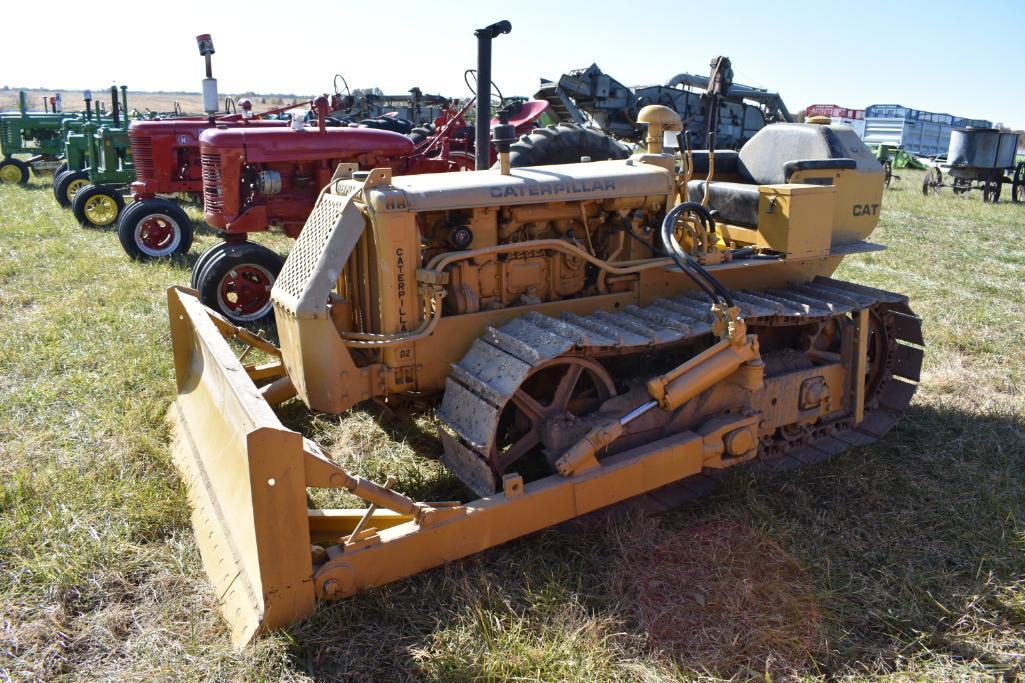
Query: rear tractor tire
point(564, 143)
point(97, 206)
point(67, 185)
point(154, 228)
point(13, 172)
point(236, 282)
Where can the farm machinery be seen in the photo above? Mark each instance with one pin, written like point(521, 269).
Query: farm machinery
point(167, 162)
point(93, 192)
point(590, 96)
point(980, 159)
point(86, 144)
point(587, 333)
point(256, 179)
point(31, 132)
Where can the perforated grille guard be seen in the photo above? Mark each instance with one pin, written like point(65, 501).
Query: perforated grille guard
point(315, 262)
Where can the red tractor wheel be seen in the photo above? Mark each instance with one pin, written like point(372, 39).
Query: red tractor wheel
point(201, 262)
point(236, 282)
point(154, 228)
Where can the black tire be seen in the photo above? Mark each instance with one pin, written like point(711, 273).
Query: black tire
point(246, 270)
point(66, 186)
point(1018, 185)
point(154, 228)
point(421, 133)
point(7, 167)
point(97, 206)
point(60, 169)
point(564, 143)
point(201, 262)
point(53, 183)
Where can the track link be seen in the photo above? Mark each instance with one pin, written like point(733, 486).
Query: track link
point(498, 362)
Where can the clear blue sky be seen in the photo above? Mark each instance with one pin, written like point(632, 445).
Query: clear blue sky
point(964, 58)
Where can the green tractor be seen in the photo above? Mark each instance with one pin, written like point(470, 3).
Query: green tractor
point(30, 132)
point(94, 192)
point(72, 175)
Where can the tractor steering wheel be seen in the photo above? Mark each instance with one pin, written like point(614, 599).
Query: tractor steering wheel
point(473, 87)
point(345, 83)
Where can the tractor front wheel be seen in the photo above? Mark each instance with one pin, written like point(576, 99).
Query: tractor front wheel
point(236, 282)
point(13, 172)
point(154, 228)
point(60, 169)
point(201, 262)
point(67, 185)
point(97, 206)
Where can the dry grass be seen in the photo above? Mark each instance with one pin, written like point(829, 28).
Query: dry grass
point(723, 598)
point(910, 550)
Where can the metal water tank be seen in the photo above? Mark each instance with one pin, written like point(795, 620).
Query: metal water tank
point(982, 148)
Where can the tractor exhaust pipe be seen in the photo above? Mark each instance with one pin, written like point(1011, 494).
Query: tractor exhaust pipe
point(210, 103)
point(88, 97)
point(484, 37)
point(115, 110)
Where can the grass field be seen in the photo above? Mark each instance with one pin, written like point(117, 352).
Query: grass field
point(899, 560)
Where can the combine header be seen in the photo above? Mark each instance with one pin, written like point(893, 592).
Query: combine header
point(587, 332)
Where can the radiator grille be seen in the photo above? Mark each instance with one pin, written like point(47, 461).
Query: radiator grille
point(213, 183)
point(142, 156)
point(8, 137)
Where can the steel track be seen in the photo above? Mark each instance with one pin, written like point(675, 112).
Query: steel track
point(484, 380)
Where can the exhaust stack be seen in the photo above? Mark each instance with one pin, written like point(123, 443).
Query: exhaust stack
point(484, 37)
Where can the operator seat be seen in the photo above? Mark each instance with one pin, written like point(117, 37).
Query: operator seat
point(770, 157)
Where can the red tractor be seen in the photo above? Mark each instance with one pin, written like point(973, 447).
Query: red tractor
point(254, 179)
point(167, 162)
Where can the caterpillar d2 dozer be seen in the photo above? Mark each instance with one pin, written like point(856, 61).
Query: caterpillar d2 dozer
point(589, 333)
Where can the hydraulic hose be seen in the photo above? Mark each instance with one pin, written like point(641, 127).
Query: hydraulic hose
point(701, 277)
point(654, 247)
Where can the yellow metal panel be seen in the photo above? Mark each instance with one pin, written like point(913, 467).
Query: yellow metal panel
point(408, 548)
point(796, 219)
point(245, 479)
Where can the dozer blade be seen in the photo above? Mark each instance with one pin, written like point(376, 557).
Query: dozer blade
point(247, 477)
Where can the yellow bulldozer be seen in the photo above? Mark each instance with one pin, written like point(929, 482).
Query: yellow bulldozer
point(586, 334)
